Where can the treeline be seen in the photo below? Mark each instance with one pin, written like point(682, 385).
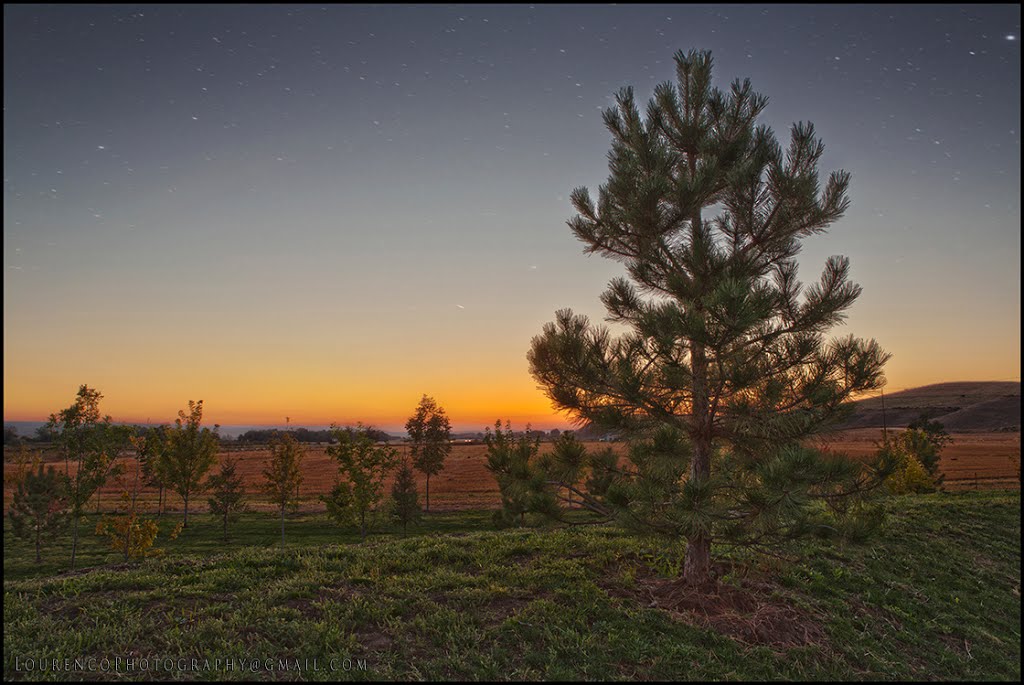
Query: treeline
point(46, 435)
point(304, 435)
point(179, 459)
point(12, 438)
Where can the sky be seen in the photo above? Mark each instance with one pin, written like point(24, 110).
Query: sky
point(325, 211)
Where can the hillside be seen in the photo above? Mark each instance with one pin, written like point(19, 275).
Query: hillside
point(959, 407)
point(962, 407)
point(935, 597)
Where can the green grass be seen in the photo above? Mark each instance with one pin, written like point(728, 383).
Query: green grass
point(205, 535)
point(937, 596)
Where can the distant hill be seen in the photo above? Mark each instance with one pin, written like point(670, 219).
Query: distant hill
point(959, 407)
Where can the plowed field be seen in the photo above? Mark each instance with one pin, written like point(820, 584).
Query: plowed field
point(972, 461)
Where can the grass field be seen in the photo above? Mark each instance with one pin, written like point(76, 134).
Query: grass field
point(204, 536)
point(937, 596)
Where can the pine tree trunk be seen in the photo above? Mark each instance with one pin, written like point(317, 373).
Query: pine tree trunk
point(225, 526)
point(160, 502)
point(362, 525)
point(38, 534)
point(697, 563)
point(185, 525)
point(428, 493)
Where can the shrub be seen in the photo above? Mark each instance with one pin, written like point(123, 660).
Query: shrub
point(38, 512)
point(132, 534)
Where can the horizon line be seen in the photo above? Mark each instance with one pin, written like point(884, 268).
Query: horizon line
point(561, 424)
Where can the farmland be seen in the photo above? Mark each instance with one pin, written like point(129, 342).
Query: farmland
point(936, 595)
point(972, 461)
point(979, 460)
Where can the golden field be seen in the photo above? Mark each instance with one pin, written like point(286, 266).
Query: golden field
point(973, 460)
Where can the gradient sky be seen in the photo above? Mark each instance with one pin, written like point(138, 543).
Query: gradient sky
point(325, 211)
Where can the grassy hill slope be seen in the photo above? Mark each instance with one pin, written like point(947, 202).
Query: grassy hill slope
point(936, 597)
point(960, 407)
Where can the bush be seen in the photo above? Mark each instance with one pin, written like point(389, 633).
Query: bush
point(131, 534)
point(909, 474)
point(925, 447)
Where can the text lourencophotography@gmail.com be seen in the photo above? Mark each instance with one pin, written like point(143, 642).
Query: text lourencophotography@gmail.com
point(168, 667)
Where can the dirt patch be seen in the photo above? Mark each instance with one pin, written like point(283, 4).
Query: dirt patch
point(499, 609)
point(877, 614)
point(59, 608)
point(373, 640)
point(958, 645)
point(523, 559)
point(119, 566)
point(304, 605)
point(313, 607)
point(747, 612)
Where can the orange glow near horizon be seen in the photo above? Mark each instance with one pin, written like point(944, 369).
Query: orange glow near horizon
point(464, 413)
point(306, 400)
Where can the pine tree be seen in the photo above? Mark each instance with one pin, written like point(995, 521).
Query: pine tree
point(566, 462)
point(511, 459)
point(284, 474)
point(191, 452)
point(725, 367)
point(38, 513)
point(226, 493)
point(405, 504)
point(430, 439)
